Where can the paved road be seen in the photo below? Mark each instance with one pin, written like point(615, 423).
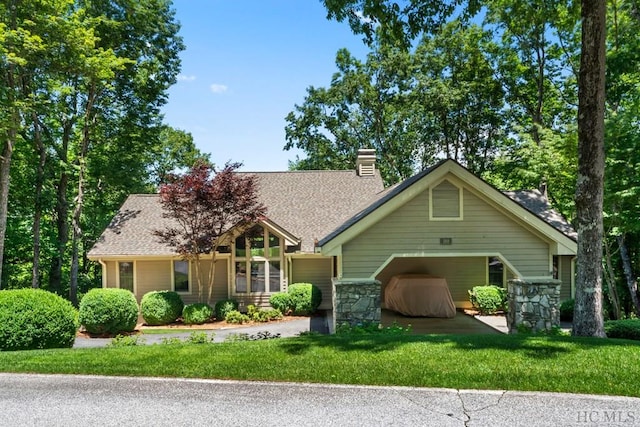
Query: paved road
point(64, 400)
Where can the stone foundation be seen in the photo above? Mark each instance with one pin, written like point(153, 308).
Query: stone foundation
point(533, 304)
point(355, 302)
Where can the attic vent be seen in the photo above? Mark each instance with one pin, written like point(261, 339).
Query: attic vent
point(366, 162)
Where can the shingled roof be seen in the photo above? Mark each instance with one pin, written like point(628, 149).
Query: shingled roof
point(307, 204)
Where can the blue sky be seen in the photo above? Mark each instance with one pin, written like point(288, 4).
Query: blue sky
point(246, 64)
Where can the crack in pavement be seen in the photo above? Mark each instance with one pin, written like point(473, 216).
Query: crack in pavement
point(420, 405)
point(467, 413)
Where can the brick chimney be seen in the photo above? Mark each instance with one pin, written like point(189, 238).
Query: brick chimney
point(366, 162)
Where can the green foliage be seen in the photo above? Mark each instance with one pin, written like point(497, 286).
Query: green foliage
point(161, 307)
point(627, 329)
point(225, 306)
point(170, 340)
point(258, 336)
point(108, 311)
point(266, 315)
point(125, 341)
point(235, 317)
point(199, 337)
point(305, 298)
point(197, 314)
point(372, 328)
point(34, 318)
point(566, 310)
point(488, 299)
point(281, 301)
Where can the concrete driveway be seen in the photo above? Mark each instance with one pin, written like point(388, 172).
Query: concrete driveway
point(69, 400)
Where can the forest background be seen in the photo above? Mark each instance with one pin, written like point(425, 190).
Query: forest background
point(83, 83)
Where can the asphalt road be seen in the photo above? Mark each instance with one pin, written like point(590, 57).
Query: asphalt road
point(65, 400)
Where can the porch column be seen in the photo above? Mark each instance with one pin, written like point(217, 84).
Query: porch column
point(355, 302)
point(533, 305)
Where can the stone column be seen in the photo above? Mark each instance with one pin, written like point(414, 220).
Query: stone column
point(534, 304)
point(355, 302)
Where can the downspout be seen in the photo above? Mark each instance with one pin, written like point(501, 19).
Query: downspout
point(104, 272)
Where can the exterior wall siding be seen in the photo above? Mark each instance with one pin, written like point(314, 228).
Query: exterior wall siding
point(446, 200)
point(408, 230)
point(220, 287)
point(152, 276)
point(462, 274)
point(316, 271)
point(565, 277)
point(112, 271)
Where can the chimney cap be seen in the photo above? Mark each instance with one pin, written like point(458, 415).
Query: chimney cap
point(366, 162)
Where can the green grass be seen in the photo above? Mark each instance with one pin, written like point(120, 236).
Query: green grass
point(509, 362)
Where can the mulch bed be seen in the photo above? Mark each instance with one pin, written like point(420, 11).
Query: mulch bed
point(218, 324)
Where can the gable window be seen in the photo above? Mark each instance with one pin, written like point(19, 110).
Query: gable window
point(181, 276)
point(125, 275)
point(445, 202)
point(257, 267)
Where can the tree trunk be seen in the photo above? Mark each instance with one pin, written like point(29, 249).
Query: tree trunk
point(632, 282)
point(588, 319)
point(610, 279)
point(5, 166)
point(37, 214)
point(62, 212)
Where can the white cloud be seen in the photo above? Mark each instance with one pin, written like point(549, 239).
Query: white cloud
point(185, 78)
point(218, 88)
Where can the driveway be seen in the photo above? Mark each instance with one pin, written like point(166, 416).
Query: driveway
point(73, 400)
point(287, 328)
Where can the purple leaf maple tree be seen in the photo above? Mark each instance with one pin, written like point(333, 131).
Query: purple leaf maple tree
point(207, 208)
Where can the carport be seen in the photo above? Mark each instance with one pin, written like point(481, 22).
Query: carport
point(461, 324)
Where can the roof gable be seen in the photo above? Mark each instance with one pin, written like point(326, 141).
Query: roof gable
point(529, 207)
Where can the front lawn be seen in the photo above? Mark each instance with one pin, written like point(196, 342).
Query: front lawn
point(510, 362)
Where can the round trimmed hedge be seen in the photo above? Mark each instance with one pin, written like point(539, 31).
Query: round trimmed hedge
point(108, 311)
point(196, 314)
point(281, 301)
point(305, 298)
point(161, 307)
point(225, 306)
point(34, 319)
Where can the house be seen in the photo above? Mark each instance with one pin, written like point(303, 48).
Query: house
point(444, 221)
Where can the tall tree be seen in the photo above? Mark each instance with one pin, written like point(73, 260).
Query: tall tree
point(206, 207)
point(587, 318)
point(418, 16)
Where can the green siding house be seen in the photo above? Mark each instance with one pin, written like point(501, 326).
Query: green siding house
point(320, 225)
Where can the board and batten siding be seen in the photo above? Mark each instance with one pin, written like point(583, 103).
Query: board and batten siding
point(316, 271)
point(152, 276)
point(461, 273)
point(565, 274)
point(220, 282)
point(111, 272)
point(408, 229)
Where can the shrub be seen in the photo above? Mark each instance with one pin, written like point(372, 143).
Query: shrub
point(108, 311)
point(234, 316)
point(197, 314)
point(305, 298)
point(34, 318)
point(488, 299)
point(281, 301)
point(225, 306)
point(566, 310)
point(161, 307)
point(199, 337)
point(266, 315)
point(126, 341)
point(628, 329)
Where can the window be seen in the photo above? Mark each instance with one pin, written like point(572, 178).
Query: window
point(125, 275)
point(257, 267)
point(496, 271)
point(445, 202)
point(181, 276)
